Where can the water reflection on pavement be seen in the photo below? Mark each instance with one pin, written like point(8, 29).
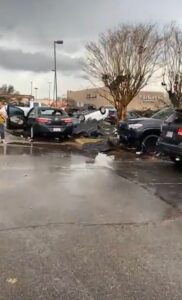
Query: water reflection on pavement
point(77, 227)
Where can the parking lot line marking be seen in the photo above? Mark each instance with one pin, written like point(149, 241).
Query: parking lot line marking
point(166, 183)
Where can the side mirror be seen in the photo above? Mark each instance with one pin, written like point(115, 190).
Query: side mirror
point(102, 110)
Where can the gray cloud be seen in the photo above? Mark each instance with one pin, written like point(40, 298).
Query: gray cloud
point(37, 62)
point(37, 23)
point(29, 27)
point(40, 22)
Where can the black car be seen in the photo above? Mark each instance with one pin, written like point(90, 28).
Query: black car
point(143, 133)
point(170, 141)
point(40, 121)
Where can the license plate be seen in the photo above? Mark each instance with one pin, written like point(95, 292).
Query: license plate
point(57, 129)
point(169, 134)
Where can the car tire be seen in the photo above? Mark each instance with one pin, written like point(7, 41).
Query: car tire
point(102, 110)
point(149, 144)
point(81, 118)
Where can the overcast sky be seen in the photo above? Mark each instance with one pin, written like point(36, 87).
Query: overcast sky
point(29, 27)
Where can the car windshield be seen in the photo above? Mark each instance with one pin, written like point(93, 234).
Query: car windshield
point(176, 117)
point(163, 114)
point(132, 115)
point(52, 112)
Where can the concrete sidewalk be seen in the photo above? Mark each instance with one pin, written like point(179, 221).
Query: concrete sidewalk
point(12, 139)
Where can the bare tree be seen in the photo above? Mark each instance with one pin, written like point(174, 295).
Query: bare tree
point(124, 60)
point(172, 64)
point(7, 89)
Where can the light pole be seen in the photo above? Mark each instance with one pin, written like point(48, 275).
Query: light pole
point(49, 83)
point(36, 93)
point(59, 42)
point(31, 88)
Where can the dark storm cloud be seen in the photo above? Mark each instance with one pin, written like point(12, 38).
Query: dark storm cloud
point(43, 21)
point(37, 62)
point(37, 23)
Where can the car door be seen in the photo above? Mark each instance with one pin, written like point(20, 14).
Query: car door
point(32, 115)
point(15, 117)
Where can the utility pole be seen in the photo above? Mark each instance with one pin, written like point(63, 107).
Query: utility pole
point(59, 42)
point(31, 88)
point(49, 89)
point(36, 89)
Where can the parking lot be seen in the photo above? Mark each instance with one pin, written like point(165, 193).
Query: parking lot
point(74, 227)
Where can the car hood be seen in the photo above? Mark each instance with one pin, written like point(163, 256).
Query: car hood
point(144, 120)
point(147, 122)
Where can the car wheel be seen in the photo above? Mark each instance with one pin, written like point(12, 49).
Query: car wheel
point(81, 118)
point(102, 110)
point(149, 144)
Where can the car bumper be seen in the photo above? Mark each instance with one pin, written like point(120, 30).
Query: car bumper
point(130, 137)
point(54, 131)
point(169, 149)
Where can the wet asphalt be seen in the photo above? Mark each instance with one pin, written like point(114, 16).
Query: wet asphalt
point(73, 227)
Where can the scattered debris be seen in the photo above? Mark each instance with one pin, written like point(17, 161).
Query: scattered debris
point(94, 128)
point(87, 129)
point(90, 160)
point(84, 140)
point(12, 280)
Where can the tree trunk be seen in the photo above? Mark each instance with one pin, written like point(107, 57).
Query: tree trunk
point(121, 112)
point(173, 99)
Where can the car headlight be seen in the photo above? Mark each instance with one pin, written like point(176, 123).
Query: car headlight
point(135, 126)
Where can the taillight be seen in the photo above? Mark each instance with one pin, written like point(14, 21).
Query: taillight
point(42, 120)
point(68, 120)
point(180, 131)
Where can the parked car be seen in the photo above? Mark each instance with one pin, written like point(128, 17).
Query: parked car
point(143, 133)
point(40, 121)
point(170, 141)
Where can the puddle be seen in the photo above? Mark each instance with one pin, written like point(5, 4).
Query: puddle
point(103, 160)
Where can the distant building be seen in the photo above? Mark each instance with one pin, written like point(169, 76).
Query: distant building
point(60, 102)
point(16, 99)
point(100, 97)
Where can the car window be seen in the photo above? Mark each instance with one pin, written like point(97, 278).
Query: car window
point(175, 118)
point(13, 110)
point(163, 114)
point(132, 115)
point(52, 112)
point(33, 112)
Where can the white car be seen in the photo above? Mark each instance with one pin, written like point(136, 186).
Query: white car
point(98, 115)
point(25, 109)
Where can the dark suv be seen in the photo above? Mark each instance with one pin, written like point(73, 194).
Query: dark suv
point(170, 142)
point(143, 133)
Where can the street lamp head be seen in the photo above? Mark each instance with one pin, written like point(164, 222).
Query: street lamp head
point(59, 42)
